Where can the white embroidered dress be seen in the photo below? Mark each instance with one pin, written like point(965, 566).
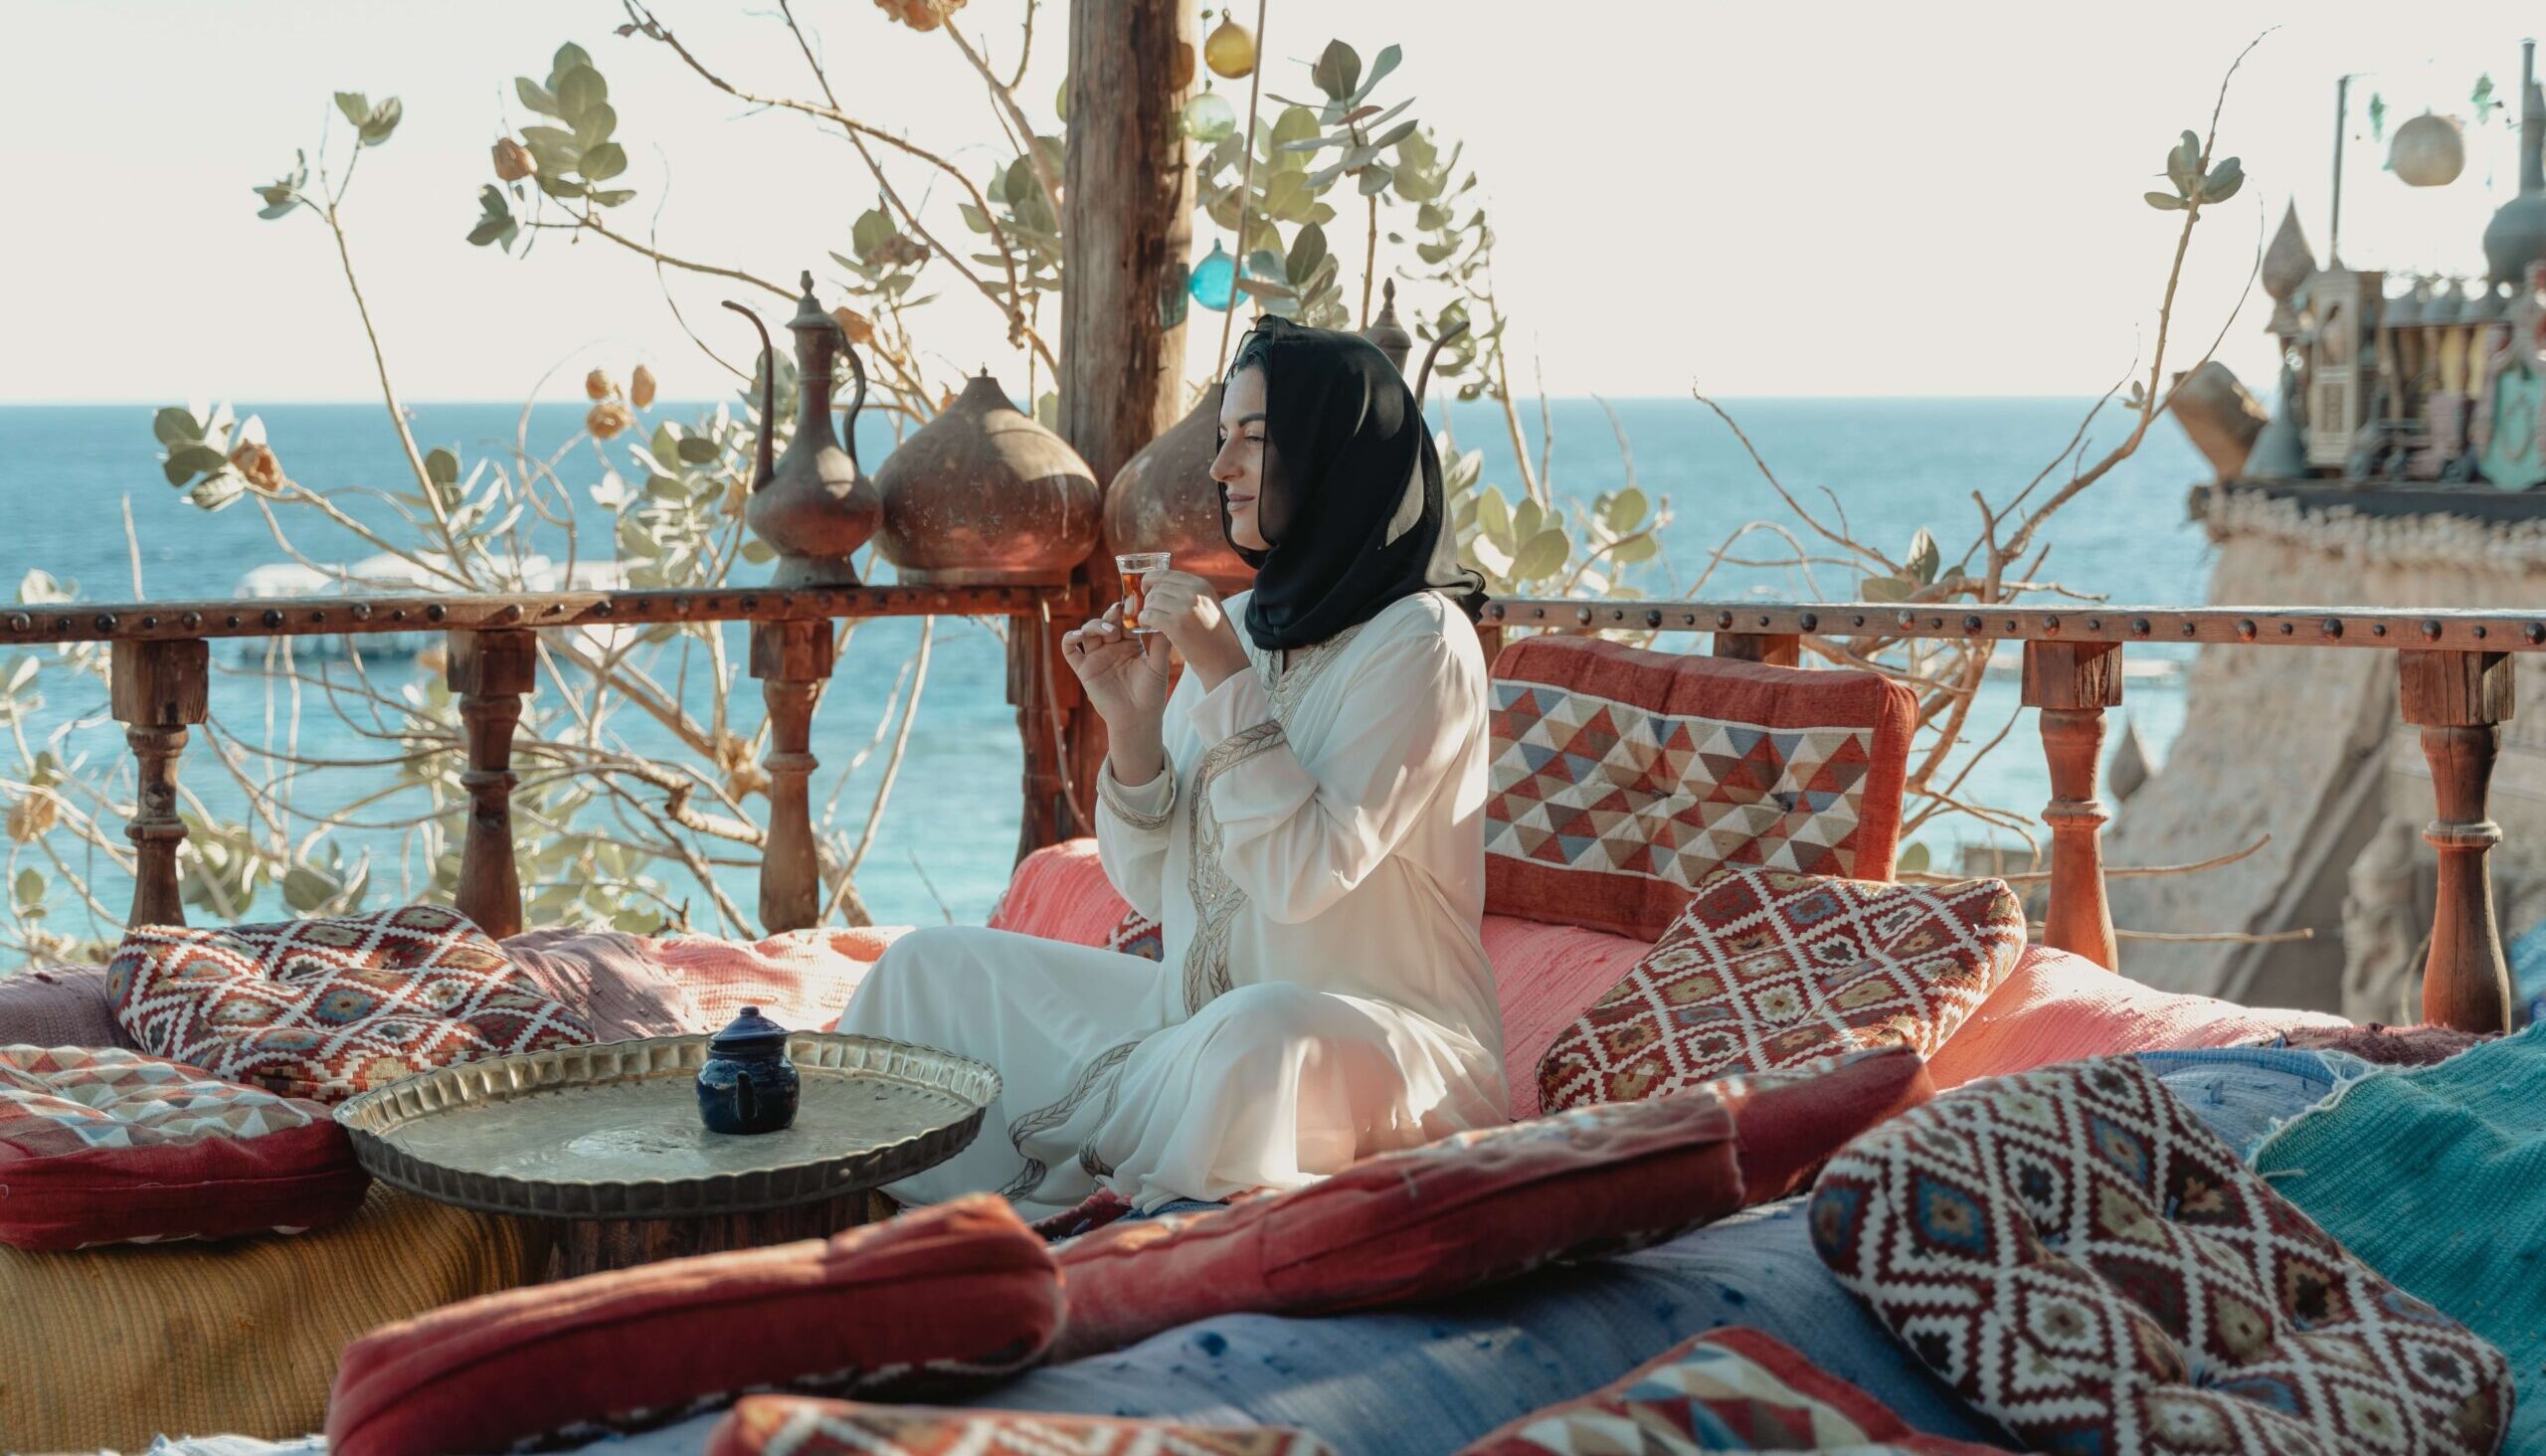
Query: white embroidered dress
point(1315, 855)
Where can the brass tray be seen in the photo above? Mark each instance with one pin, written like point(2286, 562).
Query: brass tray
point(611, 1131)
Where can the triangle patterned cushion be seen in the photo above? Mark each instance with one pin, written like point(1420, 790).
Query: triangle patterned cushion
point(1736, 1390)
point(109, 1146)
point(326, 1008)
point(797, 1425)
point(1619, 780)
point(1766, 970)
point(2077, 1256)
point(1138, 934)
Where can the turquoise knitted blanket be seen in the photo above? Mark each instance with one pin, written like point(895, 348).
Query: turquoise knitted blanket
point(2437, 1179)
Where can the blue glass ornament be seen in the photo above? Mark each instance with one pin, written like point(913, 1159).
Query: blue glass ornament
point(1214, 283)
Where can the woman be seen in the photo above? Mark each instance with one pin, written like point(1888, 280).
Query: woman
point(1304, 814)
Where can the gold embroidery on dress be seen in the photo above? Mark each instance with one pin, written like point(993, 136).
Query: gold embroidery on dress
point(1113, 792)
point(1217, 898)
point(1107, 1072)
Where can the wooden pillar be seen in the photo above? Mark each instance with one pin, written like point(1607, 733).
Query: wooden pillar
point(1126, 241)
point(1776, 650)
point(492, 672)
point(792, 661)
point(2073, 683)
point(157, 689)
point(2460, 700)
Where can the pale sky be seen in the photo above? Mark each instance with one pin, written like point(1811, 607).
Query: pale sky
point(1759, 199)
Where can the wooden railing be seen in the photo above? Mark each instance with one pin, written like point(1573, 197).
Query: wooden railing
point(2454, 682)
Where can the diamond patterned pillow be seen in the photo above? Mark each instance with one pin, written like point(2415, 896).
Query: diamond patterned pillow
point(1731, 1389)
point(1138, 934)
point(2081, 1259)
point(326, 1008)
point(797, 1425)
point(1765, 970)
point(1620, 778)
point(112, 1147)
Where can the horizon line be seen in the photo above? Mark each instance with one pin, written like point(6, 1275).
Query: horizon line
point(374, 402)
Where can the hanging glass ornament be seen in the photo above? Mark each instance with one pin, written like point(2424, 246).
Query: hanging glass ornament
point(1208, 119)
point(1230, 51)
point(1214, 283)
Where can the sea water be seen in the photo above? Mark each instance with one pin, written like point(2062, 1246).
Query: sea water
point(948, 833)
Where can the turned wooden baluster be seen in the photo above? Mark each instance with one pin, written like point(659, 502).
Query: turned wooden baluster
point(1776, 650)
point(2073, 683)
point(792, 661)
point(2460, 700)
point(157, 689)
point(492, 672)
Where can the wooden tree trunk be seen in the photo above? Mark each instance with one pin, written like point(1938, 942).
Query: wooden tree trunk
point(1127, 230)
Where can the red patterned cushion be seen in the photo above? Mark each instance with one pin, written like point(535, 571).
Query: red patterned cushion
point(1414, 1224)
point(935, 1297)
point(112, 1147)
point(326, 1008)
point(1622, 779)
point(792, 1425)
point(1726, 1390)
point(1765, 969)
point(2083, 1260)
point(1138, 934)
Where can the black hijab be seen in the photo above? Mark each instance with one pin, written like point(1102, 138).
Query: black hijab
point(1351, 496)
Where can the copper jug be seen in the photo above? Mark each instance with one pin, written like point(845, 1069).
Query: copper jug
point(812, 505)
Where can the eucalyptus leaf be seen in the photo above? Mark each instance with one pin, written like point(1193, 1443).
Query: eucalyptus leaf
point(595, 125)
point(578, 91)
point(1526, 519)
point(1394, 135)
point(1913, 859)
point(872, 228)
point(1381, 65)
point(2222, 181)
point(1625, 510)
point(1924, 558)
point(305, 890)
point(1494, 515)
point(1308, 250)
point(536, 97)
point(1294, 124)
point(604, 162)
point(384, 120)
point(2183, 165)
point(356, 106)
point(568, 56)
point(1544, 555)
point(1337, 70)
point(176, 426)
point(29, 888)
point(1884, 589)
point(697, 450)
point(189, 460)
point(615, 197)
point(1375, 180)
point(1636, 548)
point(2164, 201)
point(442, 466)
point(757, 552)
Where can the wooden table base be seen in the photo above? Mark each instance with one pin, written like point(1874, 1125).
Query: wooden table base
point(591, 1245)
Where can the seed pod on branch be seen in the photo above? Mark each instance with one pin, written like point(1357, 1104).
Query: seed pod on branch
point(513, 161)
point(607, 419)
point(597, 384)
point(641, 386)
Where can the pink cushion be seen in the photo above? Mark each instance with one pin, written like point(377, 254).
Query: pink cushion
point(2055, 1007)
point(58, 1006)
point(957, 1292)
point(799, 979)
point(1622, 779)
point(1415, 1224)
point(1061, 892)
point(1546, 976)
point(110, 1146)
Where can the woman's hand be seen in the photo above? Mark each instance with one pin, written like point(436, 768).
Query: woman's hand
point(1125, 673)
point(1188, 613)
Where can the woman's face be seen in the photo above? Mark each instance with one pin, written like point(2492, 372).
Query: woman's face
point(1239, 466)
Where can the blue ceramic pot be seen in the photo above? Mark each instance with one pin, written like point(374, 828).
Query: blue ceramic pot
point(748, 1085)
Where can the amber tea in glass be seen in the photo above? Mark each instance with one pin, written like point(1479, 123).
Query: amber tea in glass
point(1135, 566)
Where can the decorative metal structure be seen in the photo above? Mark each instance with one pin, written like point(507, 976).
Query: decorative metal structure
point(2516, 237)
point(1385, 330)
point(811, 504)
point(982, 495)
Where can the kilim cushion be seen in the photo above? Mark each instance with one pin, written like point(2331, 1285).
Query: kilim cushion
point(1724, 1391)
point(795, 1425)
point(112, 1147)
point(1766, 968)
point(1414, 1224)
point(1138, 934)
point(2081, 1259)
point(1621, 779)
point(1787, 1123)
point(326, 1008)
point(934, 1300)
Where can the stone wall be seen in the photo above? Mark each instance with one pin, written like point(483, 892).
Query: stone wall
point(2307, 745)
